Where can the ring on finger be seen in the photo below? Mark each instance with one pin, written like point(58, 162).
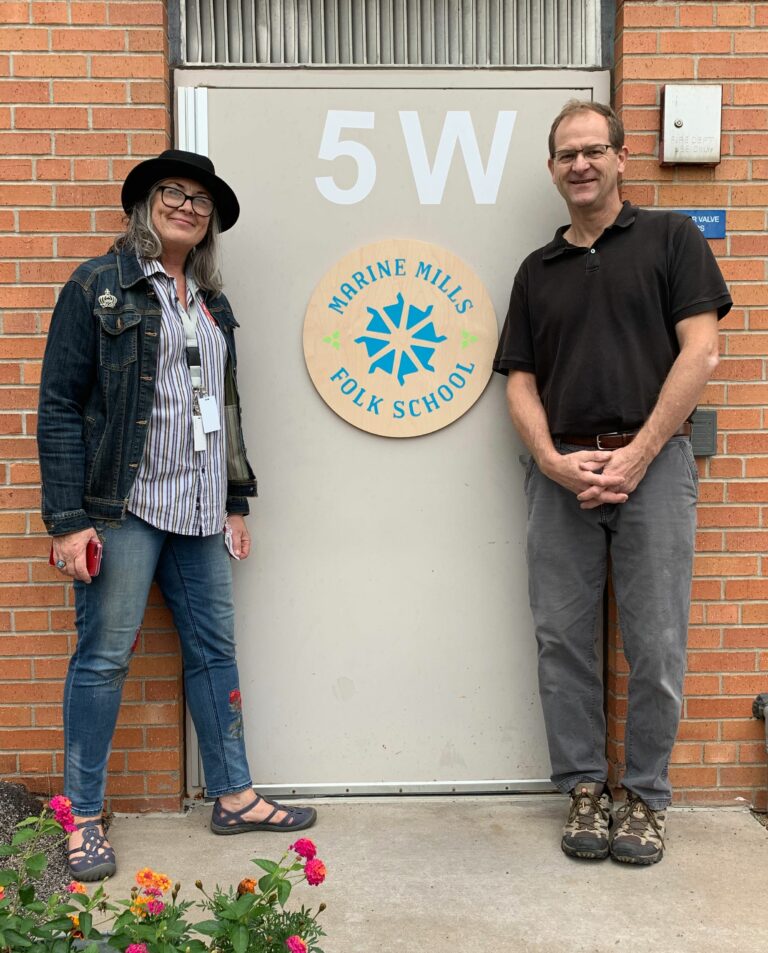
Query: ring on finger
point(60, 564)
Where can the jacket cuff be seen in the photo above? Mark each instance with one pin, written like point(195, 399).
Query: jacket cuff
point(238, 505)
point(70, 521)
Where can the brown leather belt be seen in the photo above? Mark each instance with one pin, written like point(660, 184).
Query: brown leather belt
point(613, 441)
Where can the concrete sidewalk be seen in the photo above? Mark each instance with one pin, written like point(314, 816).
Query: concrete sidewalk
point(475, 874)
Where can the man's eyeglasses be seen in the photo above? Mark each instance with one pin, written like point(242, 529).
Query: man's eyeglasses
point(175, 198)
point(591, 153)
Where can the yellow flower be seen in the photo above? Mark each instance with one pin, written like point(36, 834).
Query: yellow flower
point(138, 907)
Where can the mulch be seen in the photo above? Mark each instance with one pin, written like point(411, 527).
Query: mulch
point(17, 804)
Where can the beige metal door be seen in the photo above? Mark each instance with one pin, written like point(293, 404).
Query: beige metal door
point(384, 634)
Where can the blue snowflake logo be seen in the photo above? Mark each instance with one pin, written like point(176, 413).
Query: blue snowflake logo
point(404, 346)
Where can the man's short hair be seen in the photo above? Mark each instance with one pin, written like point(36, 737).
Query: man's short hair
point(574, 106)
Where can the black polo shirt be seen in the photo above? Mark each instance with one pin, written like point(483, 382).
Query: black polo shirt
point(597, 325)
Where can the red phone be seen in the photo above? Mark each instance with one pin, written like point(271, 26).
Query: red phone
point(93, 553)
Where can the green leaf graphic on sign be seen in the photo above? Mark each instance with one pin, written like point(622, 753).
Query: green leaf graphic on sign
point(467, 338)
point(332, 339)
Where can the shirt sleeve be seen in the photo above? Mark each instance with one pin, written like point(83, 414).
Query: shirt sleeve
point(515, 348)
point(696, 283)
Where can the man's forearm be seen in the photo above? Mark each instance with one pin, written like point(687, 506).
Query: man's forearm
point(528, 416)
point(695, 364)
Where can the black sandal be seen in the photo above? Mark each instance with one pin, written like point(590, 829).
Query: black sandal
point(232, 822)
point(96, 860)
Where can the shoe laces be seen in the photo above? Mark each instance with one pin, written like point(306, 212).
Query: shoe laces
point(639, 815)
point(585, 808)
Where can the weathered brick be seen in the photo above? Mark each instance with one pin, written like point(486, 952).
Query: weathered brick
point(697, 14)
point(53, 12)
point(90, 143)
point(145, 118)
point(697, 42)
point(736, 67)
point(55, 117)
point(17, 12)
point(127, 67)
point(135, 13)
point(88, 12)
point(16, 39)
point(97, 40)
point(59, 64)
point(87, 91)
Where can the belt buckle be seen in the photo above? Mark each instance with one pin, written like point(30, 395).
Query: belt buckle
point(599, 437)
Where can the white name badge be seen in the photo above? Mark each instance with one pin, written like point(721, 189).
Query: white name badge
point(198, 434)
point(209, 413)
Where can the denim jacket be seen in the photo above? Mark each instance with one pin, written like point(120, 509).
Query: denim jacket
point(97, 391)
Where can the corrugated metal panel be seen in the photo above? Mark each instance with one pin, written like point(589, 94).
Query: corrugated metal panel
point(467, 33)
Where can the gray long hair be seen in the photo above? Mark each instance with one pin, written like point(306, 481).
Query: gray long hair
point(142, 237)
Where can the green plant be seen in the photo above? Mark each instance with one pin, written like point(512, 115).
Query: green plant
point(249, 919)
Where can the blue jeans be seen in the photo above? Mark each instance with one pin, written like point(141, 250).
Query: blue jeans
point(194, 575)
point(650, 541)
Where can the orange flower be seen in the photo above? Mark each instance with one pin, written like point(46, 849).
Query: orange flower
point(145, 877)
point(75, 887)
point(246, 886)
point(162, 882)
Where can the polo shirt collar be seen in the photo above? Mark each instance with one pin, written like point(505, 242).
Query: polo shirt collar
point(559, 245)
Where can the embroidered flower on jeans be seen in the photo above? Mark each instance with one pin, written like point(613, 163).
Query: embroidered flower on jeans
point(236, 707)
point(304, 848)
point(314, 871)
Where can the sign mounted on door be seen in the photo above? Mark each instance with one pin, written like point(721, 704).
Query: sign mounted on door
point(399, 338)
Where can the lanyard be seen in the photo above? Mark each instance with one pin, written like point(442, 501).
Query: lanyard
point(189, 323)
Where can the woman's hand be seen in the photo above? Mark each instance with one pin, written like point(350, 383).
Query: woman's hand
point(70, 549)
point(241, 541)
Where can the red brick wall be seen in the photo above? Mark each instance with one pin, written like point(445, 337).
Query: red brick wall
point(720, 755)
point(84, 94)
point(84, 88)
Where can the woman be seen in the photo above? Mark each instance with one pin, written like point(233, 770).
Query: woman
point(141, 447)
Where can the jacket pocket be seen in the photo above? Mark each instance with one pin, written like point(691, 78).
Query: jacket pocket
point(118, 339)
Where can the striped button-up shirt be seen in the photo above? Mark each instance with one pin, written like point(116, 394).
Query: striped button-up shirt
point(180, 489)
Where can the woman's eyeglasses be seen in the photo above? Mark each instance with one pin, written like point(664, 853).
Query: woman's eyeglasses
point(175, 198)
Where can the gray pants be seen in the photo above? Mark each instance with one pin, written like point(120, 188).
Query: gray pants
point(650, 540)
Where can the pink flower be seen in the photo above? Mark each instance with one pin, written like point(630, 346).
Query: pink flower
point(314, 871)
point(294, 943)
point(136, 948)
point(62, 811)
point(2, 892)
point(155, 907)
point(153, 891)
point(75, 887)
point(235, 699)
point(304, 848)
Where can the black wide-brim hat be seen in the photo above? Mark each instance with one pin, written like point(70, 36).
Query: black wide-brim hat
point(185, 165)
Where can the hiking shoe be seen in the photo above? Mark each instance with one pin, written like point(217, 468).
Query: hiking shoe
point(585, 834)
point(638, 837)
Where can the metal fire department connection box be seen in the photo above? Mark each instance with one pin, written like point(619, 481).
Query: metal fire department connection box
point(690, 125)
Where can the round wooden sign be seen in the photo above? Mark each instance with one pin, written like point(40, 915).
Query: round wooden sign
point(399, 338)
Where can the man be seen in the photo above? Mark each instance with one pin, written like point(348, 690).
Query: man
point(610, 338)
